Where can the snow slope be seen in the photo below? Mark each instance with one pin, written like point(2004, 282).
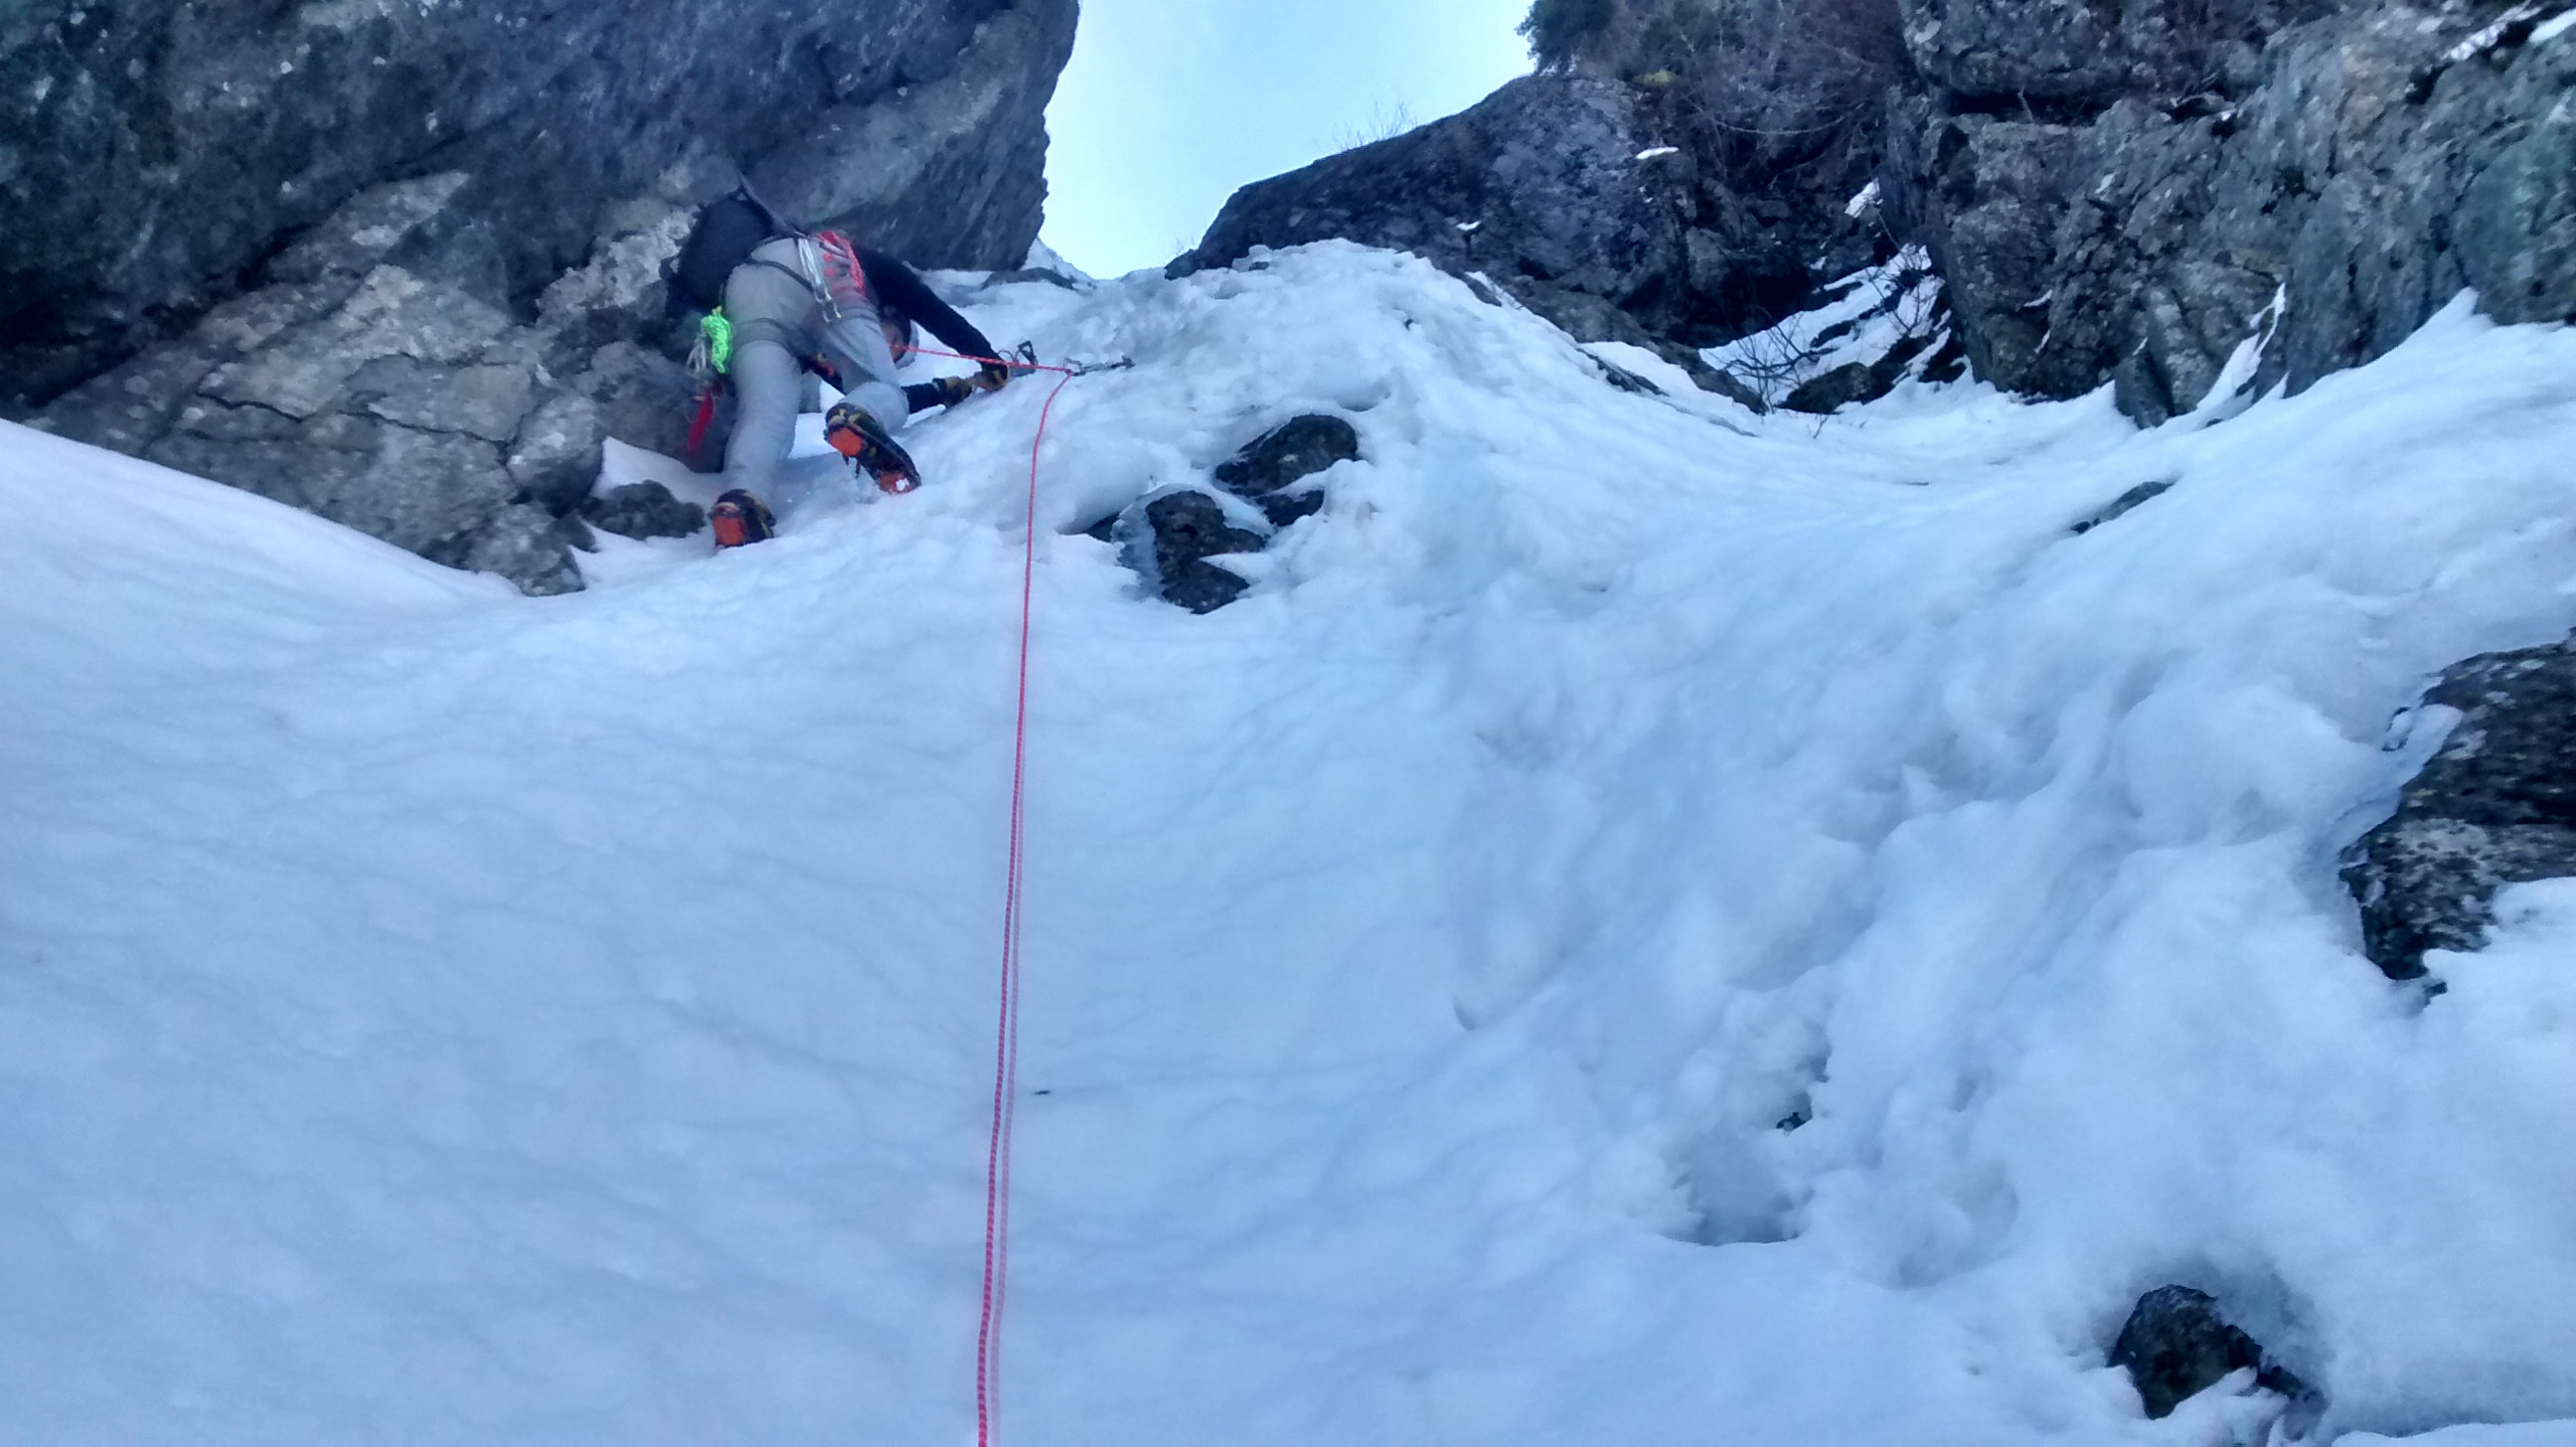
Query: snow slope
point(430, 1016)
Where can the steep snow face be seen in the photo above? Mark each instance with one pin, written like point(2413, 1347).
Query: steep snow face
point(430, 1015)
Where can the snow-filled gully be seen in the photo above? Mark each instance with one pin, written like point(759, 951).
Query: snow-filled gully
point(1645, 923)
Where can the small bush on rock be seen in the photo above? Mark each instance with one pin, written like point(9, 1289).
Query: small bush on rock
point(1562, 32)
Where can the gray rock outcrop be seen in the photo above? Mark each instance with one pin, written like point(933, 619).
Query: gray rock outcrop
point(2363, 166)
point(2112, 191)
point(2496, 806)
point(1563, 191)
point(296, 253)
point(1540, 182)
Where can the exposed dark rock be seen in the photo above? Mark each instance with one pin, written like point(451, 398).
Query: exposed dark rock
point(1539, 183)
point(1569, 192)
point(2177, 1344)
point(919, 173)
point(1560, 189)
point(1726, 384)
point(555, 458)
point(1289, 454)
point(1039, 274)
point(1283, 508)
point(2125, 504)
point(1269, 471)
point(405, 407)
point(1168, 538)
point(644, 510)
point(524, 544)
point(2114, 191)
point(2068, 55)
point(1201, 587)
point(1993, 196)
point(1181, 531)
point(2496, 806)
point(2364, 164)
point(1839, 388)
point(326, 274)
point(478, 399)
point(1626, 381)
point(643, 398)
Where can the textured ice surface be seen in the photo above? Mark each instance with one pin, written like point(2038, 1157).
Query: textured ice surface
point(433, 1016)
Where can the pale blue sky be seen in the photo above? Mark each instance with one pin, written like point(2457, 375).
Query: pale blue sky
point(1170, 105)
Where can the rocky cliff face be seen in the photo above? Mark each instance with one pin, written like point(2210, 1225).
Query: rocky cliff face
point(1570, 192)
point(1541, 183)
point(400, 264)
point(2118, 191)
point(2137, 218)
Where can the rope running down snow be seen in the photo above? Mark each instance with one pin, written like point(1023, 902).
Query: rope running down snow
point(1006, 1045)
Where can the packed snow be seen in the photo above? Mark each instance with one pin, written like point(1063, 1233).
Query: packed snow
point(1647, 923)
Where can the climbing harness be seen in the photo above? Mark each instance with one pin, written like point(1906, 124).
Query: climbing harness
point(840, 280)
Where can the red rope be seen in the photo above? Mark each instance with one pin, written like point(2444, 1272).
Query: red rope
point(1006, 1045)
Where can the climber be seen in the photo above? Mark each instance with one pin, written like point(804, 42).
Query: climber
point(819, 302)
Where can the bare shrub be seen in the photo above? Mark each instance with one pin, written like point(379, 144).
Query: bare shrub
point(1764, 82)
point(1385, 123)
point(1782, 82)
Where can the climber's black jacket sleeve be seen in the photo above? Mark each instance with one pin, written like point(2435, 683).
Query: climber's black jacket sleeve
point(900, 289)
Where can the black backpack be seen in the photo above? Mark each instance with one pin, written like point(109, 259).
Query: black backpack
point(723, 238)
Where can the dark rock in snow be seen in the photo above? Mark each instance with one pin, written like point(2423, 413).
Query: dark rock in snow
point(2125, 504)
point(2176, 1345)
point(2496, 806)
point(1626, 381)
point(1289, 454)
point(644, 510)
point(1844, 385)
point(1169, 538)
point(1184, 530)
point(311, 265)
